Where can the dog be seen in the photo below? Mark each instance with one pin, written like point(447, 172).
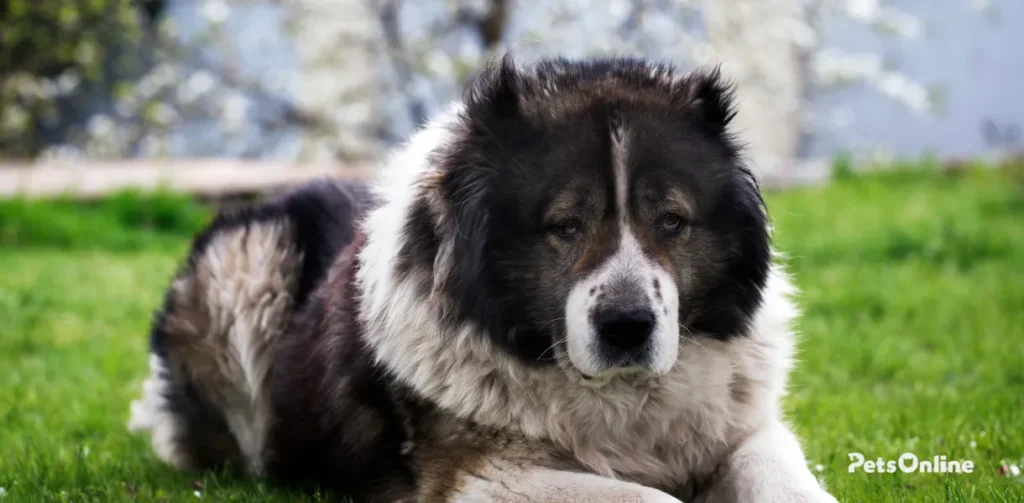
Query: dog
point(561, 288)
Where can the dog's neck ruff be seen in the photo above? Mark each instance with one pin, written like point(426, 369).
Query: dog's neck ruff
point(698, 404)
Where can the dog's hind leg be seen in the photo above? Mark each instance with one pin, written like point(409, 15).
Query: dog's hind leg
point(185, 432)
point(206, 401)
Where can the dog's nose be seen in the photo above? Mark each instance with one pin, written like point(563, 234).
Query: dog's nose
point(624, 329)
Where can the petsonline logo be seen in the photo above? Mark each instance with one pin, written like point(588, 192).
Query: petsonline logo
point(909, 463)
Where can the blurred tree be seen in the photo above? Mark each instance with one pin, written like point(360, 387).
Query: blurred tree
point(329, 79)
point(54, 49)
point(775, 51)
point(115, 78)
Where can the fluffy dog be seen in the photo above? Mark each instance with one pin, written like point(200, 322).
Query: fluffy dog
point(561, 289)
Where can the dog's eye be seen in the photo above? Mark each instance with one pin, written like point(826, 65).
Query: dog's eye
point(670, 223)
point(568, 229)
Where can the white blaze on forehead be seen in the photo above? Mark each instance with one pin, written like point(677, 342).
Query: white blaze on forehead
point(620, 171)
point(629, 254)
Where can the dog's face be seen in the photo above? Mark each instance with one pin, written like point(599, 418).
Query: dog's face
point(597, 214)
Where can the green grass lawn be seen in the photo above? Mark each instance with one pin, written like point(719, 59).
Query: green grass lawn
point(912, 340)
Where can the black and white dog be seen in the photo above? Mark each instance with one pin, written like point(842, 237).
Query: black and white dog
point(561, 289)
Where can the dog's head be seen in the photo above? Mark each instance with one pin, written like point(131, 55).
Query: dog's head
point(592, 213)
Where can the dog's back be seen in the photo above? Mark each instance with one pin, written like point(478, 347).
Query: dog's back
point(207, 400)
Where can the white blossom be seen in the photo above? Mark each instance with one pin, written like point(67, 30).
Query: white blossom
point(85, 53)
point(439, 63)
point(211, 91)
point(49, 89)
point(234, 111)
point(164, 114)
point(196, 87)
point(900, 87)
point(903, 24)
point(68, 81)
point(863, 10)
point(101, 126)
point(215, 11)
point(153, 145)
point(13, 117)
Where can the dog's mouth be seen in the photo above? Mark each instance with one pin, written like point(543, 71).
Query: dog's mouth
point(562, 360)
point(612, 373)
point(628, 372)
point(632, 375)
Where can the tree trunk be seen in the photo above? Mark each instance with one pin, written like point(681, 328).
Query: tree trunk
point(756, 42)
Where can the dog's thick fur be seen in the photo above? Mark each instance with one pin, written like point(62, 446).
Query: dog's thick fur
point(432, 339)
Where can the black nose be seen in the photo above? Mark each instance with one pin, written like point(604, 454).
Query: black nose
point(624, 329)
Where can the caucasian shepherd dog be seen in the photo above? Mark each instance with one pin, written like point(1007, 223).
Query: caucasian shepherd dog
point(561, 289)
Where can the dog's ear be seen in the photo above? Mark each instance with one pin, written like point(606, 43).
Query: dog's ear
point(469, 168)
point(708, 95)
point(708, 99)
point(448, 222)
point(742, 214)
point(494, 94)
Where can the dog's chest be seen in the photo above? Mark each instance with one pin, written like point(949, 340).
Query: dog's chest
point(677, 461)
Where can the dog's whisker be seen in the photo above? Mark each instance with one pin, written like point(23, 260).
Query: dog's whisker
point(692, 339)
point(552, 346)
point(551, 322)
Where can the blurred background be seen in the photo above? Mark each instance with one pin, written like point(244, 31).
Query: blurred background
point(887, 134)
point(313, 81)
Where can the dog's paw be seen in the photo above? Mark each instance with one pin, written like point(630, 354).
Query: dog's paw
point(765, 494)
point(650, 495)
point(632, 493)
point(823, 497)
point(807, 496)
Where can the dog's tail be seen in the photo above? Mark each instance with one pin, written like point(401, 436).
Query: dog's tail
point(207, 400)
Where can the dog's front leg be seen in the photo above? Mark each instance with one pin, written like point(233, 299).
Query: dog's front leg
point(506, 482)
point(768, 467)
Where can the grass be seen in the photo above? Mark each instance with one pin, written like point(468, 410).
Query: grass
point(912, 340)
point(128, 221)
